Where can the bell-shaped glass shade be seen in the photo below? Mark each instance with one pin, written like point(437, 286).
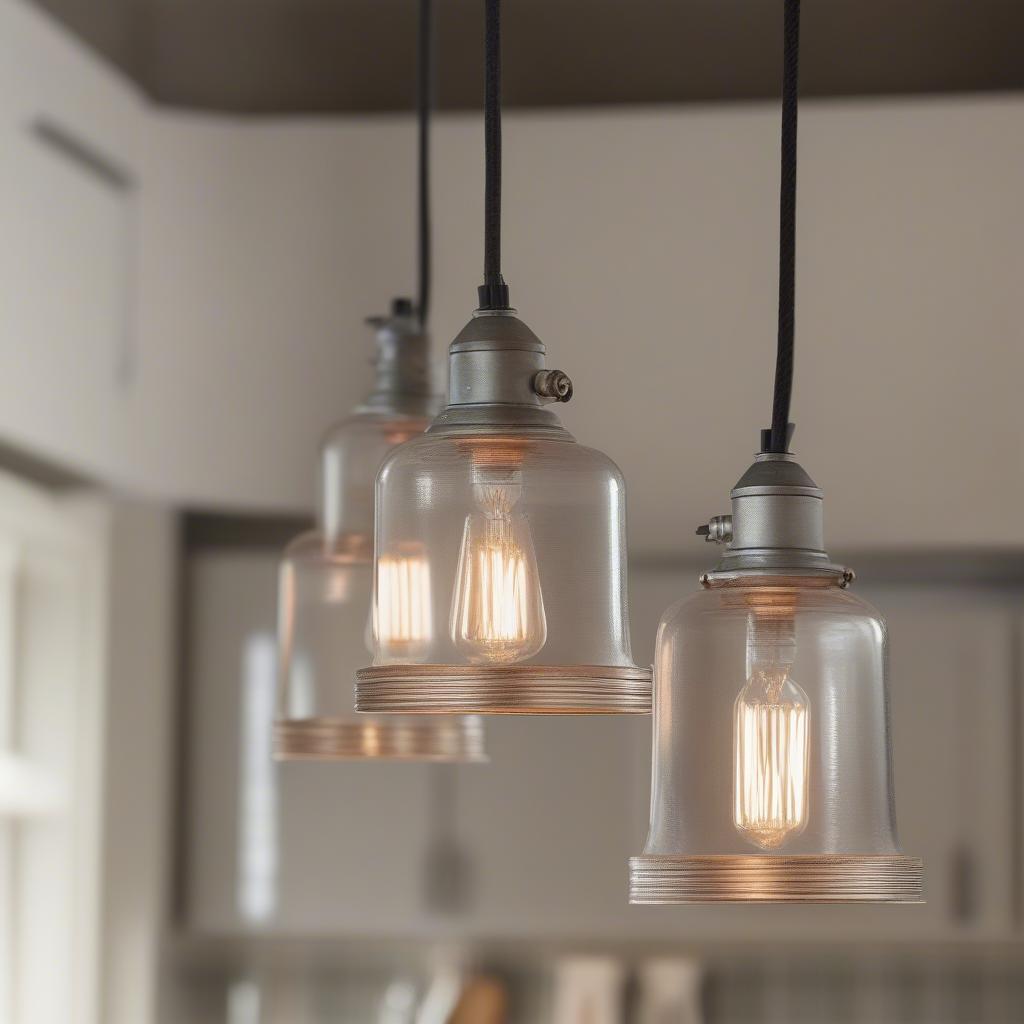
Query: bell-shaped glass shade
point(510, 548)
point(350, 456)
point(772, 773)
point(326, 583)
point(323, 631)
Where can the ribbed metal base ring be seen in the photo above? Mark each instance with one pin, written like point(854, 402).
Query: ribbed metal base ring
point(831, 878)
point(338, 739)
point(505, 690)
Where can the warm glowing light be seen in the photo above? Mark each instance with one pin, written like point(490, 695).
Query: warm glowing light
point(771, 738)
point(338, 584)
point(371, 740)
point(401, 611)
point(498, 610)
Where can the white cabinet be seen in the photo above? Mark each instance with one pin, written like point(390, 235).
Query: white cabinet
point(65, 318)
point(67, 203)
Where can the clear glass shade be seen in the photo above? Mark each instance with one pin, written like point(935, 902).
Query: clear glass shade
point(772, 773)
point(350, 456)
point(324, 608)
point(501, 578)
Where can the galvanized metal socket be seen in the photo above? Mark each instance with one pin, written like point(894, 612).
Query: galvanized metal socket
point(777, 523)
point(497, 379)
point(403, 382)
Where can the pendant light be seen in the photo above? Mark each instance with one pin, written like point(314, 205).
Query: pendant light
point(326, 575)
point(515, 532)
point(772, 774)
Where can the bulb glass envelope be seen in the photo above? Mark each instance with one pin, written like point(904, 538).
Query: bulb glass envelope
point(326, 583)
point(772, 768)
point(515, 536)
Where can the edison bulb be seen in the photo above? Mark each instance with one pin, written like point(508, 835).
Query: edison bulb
point(402, 621)
point(771, 738)
point(498, 608)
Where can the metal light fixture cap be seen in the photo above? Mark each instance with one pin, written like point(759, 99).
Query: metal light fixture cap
point(403, 382)
point(776, 526)
point(498, 380)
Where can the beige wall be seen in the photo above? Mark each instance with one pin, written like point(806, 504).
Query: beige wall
point(641, 245)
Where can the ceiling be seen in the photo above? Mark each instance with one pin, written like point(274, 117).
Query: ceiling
point(291, 56)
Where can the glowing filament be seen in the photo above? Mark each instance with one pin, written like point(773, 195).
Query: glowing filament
point(771, 751)
point(402, 618)
point(771, 735)
point(498, 610)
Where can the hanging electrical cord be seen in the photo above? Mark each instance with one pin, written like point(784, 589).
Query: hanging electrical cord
point(493, 293)
point(778, 439)
point(424, 105)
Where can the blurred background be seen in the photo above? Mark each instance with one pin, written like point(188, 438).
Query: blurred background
point(199, 203)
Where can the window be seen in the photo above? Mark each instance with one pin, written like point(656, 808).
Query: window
point(51, 617)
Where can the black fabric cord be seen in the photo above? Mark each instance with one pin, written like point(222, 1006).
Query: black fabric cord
point(780, 431)
point(424, 104)
point(493, 294)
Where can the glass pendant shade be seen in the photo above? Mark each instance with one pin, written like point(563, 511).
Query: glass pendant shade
point(326, 583)
point(772, 769)
point(510, 540)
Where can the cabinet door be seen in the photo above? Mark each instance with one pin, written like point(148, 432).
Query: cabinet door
point(68, 204)
point(333, 849)
point(953, 692)
point(65, 260)
point(548, 826)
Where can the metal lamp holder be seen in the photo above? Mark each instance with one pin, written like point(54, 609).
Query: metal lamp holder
point(776, 526)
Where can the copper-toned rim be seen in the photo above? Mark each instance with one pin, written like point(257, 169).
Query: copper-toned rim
point(507, 690)
point(451, 739)
point(819, 878)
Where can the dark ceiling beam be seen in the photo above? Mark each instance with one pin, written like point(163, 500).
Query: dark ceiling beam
point(294, 56)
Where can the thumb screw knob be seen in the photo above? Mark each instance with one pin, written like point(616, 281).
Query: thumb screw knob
point(553, 384)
